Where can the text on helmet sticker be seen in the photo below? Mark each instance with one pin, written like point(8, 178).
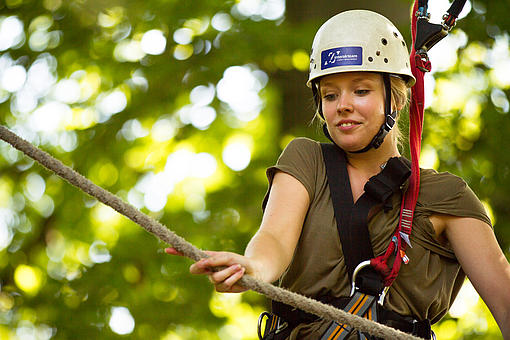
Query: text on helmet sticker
point(341, 56)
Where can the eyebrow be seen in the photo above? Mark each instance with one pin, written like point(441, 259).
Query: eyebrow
point(355, 80)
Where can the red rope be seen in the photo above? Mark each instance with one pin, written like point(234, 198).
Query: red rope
point(419, 66)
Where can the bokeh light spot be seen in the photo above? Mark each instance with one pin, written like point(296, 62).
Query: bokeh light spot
point(28, 279)
point(121, 321)
point(67, 91)
point(98, 252)
point(14, 78)
point(128, 50)
point(300, 60)
point(34, 187)
point(163, 130)
point(131, 273)
point(183, 52)
point(236, 155)
point(239, 88)
point(11, 32)
point(153, 42)
point(52, 116)
point(5, 234)
point(202, 95)
point(204, 165)
point(221, 22)
point(183, 36)
point(111, 103)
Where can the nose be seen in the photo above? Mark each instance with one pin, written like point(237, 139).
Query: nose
point(344, 103)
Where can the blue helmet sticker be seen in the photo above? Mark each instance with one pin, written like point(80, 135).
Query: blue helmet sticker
point(341, 56)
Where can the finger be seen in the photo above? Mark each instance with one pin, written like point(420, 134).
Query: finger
point(200, 267)
point(222, 259)
point(233, 279)
point(230, 284)
point(222, 275)
point(210, 264)
point(173, 251)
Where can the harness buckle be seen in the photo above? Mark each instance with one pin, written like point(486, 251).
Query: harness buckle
point(390, 122)
point(277, 326)
point(449, 22)
point(428, 34)
point(259, 323)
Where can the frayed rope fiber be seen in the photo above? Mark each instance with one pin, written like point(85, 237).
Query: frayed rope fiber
point(163, 233)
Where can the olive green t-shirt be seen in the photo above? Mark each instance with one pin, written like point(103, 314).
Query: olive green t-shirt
point(425, 287)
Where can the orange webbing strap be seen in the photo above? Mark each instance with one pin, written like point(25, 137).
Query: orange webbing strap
point(361, 305)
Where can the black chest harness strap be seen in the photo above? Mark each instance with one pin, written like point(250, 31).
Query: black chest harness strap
point(352, 224)
point(352, 217)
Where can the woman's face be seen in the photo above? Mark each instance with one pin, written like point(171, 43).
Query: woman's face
point(353, 106)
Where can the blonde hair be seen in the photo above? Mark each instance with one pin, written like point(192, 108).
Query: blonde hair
point(399, 100)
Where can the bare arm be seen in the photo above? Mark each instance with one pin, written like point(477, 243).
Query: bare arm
point(273, 245)
point(271, 249)
point(483, 262)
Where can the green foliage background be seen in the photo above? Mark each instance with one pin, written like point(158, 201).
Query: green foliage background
point(66, 261)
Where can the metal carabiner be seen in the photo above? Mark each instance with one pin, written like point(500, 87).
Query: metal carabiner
point(355, 273)
point(358, 268)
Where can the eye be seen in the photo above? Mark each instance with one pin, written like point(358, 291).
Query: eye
point(361, 92)
point(329, 97)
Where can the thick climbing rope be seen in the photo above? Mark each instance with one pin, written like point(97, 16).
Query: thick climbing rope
point(187, 249)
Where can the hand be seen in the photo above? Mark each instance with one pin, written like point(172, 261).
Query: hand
point(224, 269)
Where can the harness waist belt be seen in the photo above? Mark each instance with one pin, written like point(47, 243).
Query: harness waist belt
point(407, 324)
point(295, 316)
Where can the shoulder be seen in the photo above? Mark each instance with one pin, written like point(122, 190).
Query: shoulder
point(302, 148)
point(303, 143)
point(445, 193)
point(430, 178)
point(438, 186)
point(302, 159)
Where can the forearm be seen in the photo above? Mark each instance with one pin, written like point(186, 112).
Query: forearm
point(486, 266)
point(269, 254)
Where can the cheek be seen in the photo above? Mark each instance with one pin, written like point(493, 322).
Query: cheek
point(328, 109)
point(371, 108)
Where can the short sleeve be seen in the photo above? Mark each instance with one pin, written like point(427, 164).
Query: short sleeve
point(300, 159)
point(445, 193)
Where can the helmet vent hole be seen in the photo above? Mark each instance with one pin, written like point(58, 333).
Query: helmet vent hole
point(395, 34)
point(386, 60)
point(384, 41)
point(403, 43)
point(378, 53)
point(370, 59)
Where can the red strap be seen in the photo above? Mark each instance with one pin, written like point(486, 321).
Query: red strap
point(418, 66)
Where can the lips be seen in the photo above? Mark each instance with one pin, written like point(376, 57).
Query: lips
point(347, 124)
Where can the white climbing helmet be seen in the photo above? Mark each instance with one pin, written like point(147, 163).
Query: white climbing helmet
point(359, 40)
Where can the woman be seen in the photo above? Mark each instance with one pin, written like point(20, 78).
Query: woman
point(359, 74)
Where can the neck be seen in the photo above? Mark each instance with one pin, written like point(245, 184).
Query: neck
point(370, 162)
